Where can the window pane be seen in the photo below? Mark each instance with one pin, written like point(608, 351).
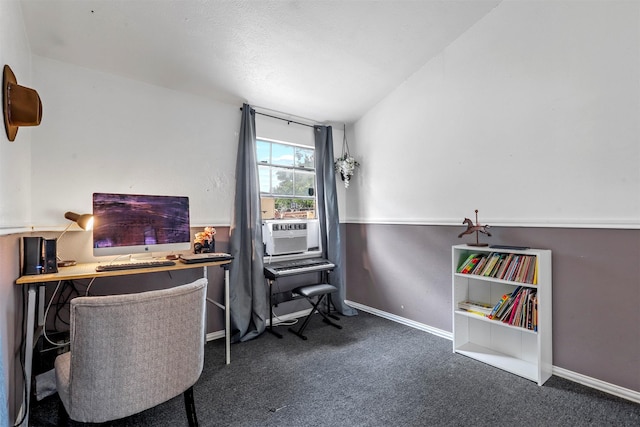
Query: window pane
point(294, 208)
point(282, 154)
point(286, 174)
point(304, 158)
point(264, 174)
point(282, 181)
point(303, 182)
point(263, 151)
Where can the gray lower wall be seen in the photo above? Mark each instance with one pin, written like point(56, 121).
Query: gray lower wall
point(405, 270)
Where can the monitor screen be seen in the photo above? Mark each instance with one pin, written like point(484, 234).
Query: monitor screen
point(134, 223)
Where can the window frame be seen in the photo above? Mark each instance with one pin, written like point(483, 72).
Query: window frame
point(296, 171)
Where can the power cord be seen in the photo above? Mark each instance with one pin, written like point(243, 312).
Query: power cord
point(89, 286)
point(61, 302)
point(46, 316)
point(280, 321)
point(285, 322)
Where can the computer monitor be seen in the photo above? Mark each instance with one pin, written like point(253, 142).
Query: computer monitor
point(136, 223)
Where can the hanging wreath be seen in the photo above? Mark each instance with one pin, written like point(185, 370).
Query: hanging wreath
point(346, 164)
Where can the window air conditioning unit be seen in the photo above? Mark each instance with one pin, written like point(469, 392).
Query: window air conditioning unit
point(285, 237)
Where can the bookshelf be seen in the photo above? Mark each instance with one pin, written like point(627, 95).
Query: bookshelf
point(520, 343)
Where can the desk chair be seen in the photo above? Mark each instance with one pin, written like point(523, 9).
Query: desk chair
point(320, 292)
point(132, 352)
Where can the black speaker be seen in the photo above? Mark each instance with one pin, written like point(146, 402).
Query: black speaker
point(32, 255)
point(50, 256)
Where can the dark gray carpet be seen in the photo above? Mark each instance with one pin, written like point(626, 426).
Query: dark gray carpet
point(374, 372)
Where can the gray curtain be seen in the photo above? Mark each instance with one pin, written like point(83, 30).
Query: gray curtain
point(247, 289)
point(328, 215)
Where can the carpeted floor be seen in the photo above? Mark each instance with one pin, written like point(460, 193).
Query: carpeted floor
point(374, 372)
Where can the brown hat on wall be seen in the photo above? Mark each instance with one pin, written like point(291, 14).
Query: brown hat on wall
point(21, 105)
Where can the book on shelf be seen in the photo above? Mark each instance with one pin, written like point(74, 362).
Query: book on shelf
point(522, 271)
point(466, 262)
point(497, 265)
point(500, 265)
point(480, 265)
point(534, 316)
point(514, 308)
point(508, 274)
point(498, 306)
point(475, 307)
point(471, 265)
point(518, 308)
point(493, 259)
point(531, 274)
point(504, 266)
point(505, 309)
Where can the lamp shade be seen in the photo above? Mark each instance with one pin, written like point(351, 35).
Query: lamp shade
point(84, 221)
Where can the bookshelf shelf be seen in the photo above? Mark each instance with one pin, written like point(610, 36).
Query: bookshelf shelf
point(484, 319)
point(507, 363)
point(516, 349)
point(490, 279)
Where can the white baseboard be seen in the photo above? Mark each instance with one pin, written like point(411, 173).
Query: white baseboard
point(403, 320)
point(594, 383)
point(211, 336)
point(622, 392)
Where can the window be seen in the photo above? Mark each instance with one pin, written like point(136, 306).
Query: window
point(287, 180)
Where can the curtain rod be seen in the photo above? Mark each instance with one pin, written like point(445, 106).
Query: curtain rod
point(280, 118)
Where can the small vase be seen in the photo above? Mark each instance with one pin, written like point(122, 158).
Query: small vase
point(209, 246)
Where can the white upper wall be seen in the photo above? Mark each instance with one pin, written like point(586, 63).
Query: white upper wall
point(15, 207)
point(15, 157)
point(531, 117)
point(104, 133)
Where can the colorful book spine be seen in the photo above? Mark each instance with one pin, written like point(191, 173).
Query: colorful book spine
point(466, 261)
point(499, 305)
point(471, 265)
point(478, 268)
point(514, 309)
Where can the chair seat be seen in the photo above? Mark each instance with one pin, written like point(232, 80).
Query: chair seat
point(311, 291)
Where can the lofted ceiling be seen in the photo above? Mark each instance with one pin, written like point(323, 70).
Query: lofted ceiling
point(326, 60)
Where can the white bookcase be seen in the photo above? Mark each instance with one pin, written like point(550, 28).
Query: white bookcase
point(514, 349)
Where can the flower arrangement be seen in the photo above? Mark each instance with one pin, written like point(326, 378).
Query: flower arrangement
point(346, 166)
point(204, 241)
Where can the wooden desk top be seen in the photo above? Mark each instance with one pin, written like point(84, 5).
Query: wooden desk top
point(88, 271)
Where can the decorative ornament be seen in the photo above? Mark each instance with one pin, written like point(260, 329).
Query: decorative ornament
point(477, 228)
point(346, 164)
point(205, 241)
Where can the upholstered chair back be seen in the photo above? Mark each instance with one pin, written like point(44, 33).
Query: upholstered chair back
point(132, 352)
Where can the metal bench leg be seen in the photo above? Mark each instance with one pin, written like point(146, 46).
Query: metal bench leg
point(308, 318)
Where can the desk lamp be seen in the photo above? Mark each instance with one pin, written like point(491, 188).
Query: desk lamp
point(84, 221)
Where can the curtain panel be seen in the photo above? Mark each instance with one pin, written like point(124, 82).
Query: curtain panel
point(247, 291)
point(328, 216)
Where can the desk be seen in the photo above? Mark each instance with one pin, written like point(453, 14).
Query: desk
point(88, 271)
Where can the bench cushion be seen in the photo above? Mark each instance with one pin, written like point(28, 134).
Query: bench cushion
point(310, 291)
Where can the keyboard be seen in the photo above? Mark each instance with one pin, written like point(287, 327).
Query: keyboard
point(133, 265)
point(289, 268)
